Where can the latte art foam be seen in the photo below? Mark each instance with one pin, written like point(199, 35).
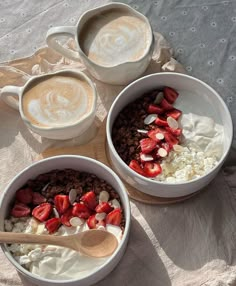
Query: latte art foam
point(57, 101)
point(115, 37)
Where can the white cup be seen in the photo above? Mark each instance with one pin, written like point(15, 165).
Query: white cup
point(121, 73)
point(14, 96)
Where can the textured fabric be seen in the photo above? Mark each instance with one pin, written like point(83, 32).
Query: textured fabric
point(192, 243)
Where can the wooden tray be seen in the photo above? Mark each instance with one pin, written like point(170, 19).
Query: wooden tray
point(96, 149)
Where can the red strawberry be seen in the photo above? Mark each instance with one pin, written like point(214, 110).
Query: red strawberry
point(103, 207)
point(81, 210)
point(24, 196)
point(62, 203)
point(170, 94)
point(147, 145)
point(114, 217)
point(176, 132)
point(134, 165)
point(42, 211)
point(153, 134)
point(20, 210)
point(160, 121)
point(65, 218)
point(171, 139)
point(152, 169)
point(175, 113)
point(53, 224)
point(154, 109)
point(92, 222)
point(89, 200)
point(166, 105)
point(38, 198)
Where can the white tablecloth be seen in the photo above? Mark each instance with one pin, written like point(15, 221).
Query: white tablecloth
point(192, 243)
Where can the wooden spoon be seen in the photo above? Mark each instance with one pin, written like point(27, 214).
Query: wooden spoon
point(94, 242)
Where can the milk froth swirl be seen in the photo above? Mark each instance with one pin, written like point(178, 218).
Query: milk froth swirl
point(115, 37)
point(57, 101)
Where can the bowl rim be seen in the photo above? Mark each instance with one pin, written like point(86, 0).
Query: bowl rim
point(149, 180)
point(126, 206)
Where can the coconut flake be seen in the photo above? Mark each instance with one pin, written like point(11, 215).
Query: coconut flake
point(159, 98)
point(55, 212)
point(72, 196)
point(160, 136)
point(172, 122)
point(162, 152)
point(146, 157)
point(142, 131)
point(100, 216)
point(76, 221)
point(178, 148)
point(103, 196)
point(150, 118)
point(115, 204)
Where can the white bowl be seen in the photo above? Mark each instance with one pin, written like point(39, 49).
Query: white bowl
point(198, 98)
point(77, 163)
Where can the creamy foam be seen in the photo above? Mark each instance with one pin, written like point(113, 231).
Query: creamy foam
point(114, 37)
point(57, 101)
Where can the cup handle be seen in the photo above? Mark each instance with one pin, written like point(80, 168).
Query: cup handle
point(6, 95)
point(54, 33)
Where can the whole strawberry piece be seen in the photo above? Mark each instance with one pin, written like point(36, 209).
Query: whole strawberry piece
point(103, 207)
point(154, 109)
point(90, 200)
point(24, 196)
point(166, 105)
point(38, 198)
point(170, 94)
point(114, 217)
point(171, 139)
point(176, 132)
point(152, 169)
point(134, 165)
point(53, 224)
point(62, 203)
point(20, 210)
point(93, 223)
point(42, 211)
point(81, 210)
point(147, 145)
point(160, 121)
point(65, 218)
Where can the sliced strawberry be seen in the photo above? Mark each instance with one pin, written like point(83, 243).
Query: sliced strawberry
point(42, 211)
point(152, 108)
point(103, 207)
point(90, 200)
point(170, 94)
point(166, 146)
point(114, 217)
point(160, 121)
point(92, 222)
point(176, 132)
point(20, 210)
point(153, 134)
point(171, 139)
point(134, 165)
point(65, 218)
point(62, 203)
point(152, 169)
point(147, 145)
point(53, 224)
point(24, 196)
point(166, 105)
point(38, 198)
point(81, 210)
point(175, 113)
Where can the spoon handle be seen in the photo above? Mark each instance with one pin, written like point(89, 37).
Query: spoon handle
point(11, 237)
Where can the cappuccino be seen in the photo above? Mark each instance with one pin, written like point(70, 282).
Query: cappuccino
point(114, 37)
point(57, 101)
